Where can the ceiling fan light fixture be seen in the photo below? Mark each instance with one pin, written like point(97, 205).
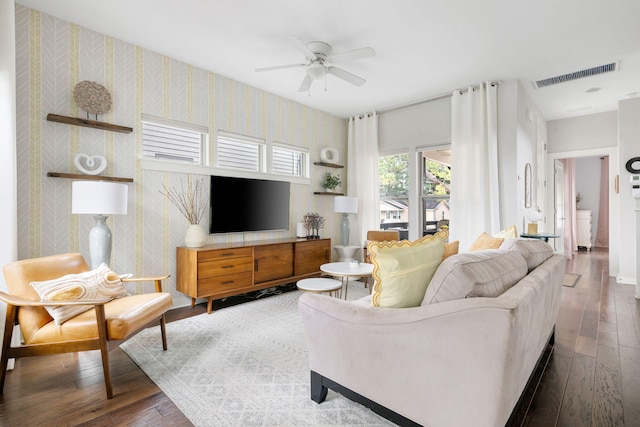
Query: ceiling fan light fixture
point(316, 71)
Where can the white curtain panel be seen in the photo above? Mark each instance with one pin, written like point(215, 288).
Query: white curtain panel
point(362, 174)
point(602, 232)
point(475, 193)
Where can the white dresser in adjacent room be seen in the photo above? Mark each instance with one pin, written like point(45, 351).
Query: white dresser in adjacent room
point(583, 223)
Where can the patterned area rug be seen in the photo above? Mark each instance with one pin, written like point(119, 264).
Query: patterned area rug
point(244, 365)
point(570, 279)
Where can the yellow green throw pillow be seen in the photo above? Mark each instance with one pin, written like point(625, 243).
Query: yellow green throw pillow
point(402, 270)
point(484, 241)
point(510, 232)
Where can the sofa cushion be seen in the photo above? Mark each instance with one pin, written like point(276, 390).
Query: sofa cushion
point(534, 251)
point(486, 273)
point(402, 270)
point(484, 241)
point(98, 284)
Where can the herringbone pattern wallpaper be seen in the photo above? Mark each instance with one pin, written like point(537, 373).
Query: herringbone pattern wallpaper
point(53, 56)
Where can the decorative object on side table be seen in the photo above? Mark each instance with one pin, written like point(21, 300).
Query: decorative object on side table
point(90, 165)
point(331, 181)
point(345, 205)
point(92, 98)
point(192, 206)
point(534, 217)
point(99, 198)
point(578, 200)
point(313, 222)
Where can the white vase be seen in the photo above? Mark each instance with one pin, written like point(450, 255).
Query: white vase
point(195, 236)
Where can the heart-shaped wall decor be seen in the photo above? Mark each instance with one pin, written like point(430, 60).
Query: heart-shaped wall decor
point(90, 165)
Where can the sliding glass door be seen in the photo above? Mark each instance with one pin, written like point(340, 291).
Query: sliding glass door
point(393, 174)
point(435, 189)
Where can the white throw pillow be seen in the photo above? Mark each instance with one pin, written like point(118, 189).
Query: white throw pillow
point(98, 284)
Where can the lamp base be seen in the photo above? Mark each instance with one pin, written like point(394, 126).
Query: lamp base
point(344, 228)
point(100, 242)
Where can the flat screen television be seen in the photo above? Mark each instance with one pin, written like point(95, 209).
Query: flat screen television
point(242, 204)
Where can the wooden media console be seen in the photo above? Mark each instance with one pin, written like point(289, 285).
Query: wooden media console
point(222, 270)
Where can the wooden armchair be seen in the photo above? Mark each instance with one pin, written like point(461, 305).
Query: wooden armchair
point(109, 323)
point(380, 236)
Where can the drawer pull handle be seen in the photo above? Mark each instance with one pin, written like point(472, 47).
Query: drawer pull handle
point(228, 254)
point(227, 266)
point(228, 282)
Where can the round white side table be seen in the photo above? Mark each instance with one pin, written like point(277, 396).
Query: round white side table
point(320, 285)
point(346, 270)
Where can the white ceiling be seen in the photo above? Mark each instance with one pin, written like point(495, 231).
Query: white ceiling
point(424, 49)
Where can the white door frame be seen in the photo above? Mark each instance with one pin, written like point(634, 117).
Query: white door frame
point(614, 198)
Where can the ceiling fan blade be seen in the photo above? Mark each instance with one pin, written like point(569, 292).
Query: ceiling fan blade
point(346, 76)
point(279, 67)
point(306, 84)
point(364, 52)
point(302, 47)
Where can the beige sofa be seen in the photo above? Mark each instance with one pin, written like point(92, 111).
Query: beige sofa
point(453, 361)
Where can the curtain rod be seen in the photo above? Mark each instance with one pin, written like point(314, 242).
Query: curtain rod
point(423, 101)
point(435, 98)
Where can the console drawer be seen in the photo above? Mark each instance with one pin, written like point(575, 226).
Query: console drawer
point(224, 254)
point(218, 267)
point(228, 282)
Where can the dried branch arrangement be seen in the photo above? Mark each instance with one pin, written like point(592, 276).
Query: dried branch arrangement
point(188, 200)
point(313, 222)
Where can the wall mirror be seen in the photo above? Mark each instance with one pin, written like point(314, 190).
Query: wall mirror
point(527, 185)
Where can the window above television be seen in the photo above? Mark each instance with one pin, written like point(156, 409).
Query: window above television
point(178, 147)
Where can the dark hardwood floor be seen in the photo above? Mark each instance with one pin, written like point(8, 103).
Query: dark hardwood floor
point(593, 378)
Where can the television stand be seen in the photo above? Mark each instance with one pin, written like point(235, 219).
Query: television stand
point(223, 270)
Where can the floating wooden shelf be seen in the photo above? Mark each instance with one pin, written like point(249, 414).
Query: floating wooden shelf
point(329, 165)
point(328, 193)
point(88, 123)
point(87, 177)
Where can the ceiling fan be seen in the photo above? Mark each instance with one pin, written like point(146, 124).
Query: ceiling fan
point(319, 59)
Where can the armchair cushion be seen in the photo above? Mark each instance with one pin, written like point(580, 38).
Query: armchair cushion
point(124, 316)
point(98, 284)
point(402, 270)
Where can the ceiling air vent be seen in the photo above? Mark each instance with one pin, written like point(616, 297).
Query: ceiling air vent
point(576, 75)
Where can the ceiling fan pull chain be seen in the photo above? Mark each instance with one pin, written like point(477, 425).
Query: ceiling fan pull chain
point(325, 82)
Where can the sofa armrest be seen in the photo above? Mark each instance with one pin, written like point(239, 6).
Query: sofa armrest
point(415, 361)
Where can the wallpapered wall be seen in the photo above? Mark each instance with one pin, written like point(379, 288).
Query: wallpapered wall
point(52, 56)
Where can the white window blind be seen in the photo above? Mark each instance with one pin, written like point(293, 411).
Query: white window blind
point(242, 152)
point(168, 140)
point(288, 161)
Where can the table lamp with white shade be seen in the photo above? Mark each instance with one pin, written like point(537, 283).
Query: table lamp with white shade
point(345, 205)
point(99, 198)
